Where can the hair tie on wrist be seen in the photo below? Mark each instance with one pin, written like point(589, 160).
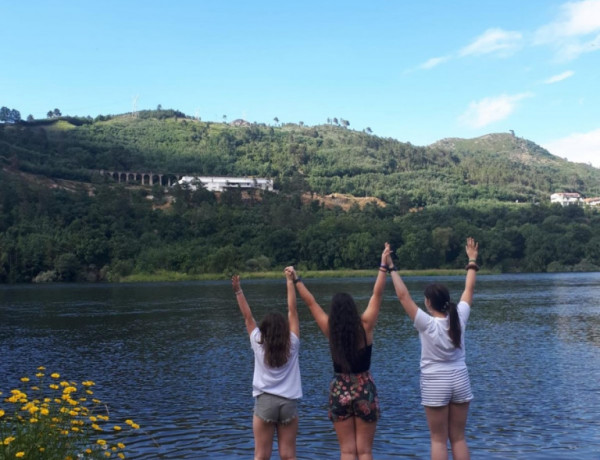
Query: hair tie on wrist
point(239, 292)
point(298, 280)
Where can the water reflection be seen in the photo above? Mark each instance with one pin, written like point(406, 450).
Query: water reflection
point(175, 356)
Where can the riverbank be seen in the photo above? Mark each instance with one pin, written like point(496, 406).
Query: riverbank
point(170, 276)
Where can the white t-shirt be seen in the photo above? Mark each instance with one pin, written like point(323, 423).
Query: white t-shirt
point(437, 350)
point(280, 381)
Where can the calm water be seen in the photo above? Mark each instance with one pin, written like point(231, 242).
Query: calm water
point(176, 359)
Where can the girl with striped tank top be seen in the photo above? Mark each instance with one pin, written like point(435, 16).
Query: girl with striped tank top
point(445, 385)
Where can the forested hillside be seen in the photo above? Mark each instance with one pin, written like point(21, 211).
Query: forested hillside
point(495, 188)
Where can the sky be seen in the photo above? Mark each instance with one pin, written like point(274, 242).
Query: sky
point(416, 71)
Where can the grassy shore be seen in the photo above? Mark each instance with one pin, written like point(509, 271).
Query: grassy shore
point(163, 275)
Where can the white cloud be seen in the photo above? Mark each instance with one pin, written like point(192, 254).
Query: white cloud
point(497, 41)
point(491, 109)
point(431, 63)
point(559, 77)
point(576, 21)
point(578, 147)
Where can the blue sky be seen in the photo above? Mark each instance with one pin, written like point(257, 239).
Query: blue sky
point(416, 71)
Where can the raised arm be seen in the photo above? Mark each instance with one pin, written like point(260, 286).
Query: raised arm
point(369, 316)
point(315, 309)
point(472, 249)
point(243, 304)
point(291, 300)
point(409, 305)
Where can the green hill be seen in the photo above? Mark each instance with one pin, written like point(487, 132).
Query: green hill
point(323, 159)
point(61, 220)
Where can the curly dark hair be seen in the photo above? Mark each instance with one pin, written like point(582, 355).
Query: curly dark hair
point(275, 339)
point(346, 332)
point(439, 297)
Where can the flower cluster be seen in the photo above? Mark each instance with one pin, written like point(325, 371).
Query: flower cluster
point(57, 419)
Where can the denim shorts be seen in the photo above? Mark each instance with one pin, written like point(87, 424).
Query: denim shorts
point(444, 387)
point(275, 409)
point(353, 395)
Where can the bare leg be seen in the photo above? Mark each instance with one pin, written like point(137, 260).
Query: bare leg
point(365, 434)
point(263, 438)
point(457, 420)
point(286, 438)
point(437, 419)
point(346, 433)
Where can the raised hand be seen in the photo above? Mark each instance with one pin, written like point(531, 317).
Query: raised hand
point(235, 283)
point(472, 249)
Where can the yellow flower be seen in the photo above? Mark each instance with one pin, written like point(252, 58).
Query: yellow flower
point(88, 451)
point(8, 440)
point(24, 380)
point(96, 427)
point(120, 445)
point(117, 428)
point(121, 455)
point(20, 454)
point(135, 426)
point(107, 454)
point(75, 429)
point(33, 420)
point(42, 449)
point(44, 411)
point(41, 368)
point(53, 386)
point(101, 442)
point(88, 383)
point(93, 418)
point(2, 412)
point(56, 375)
point(129, 422)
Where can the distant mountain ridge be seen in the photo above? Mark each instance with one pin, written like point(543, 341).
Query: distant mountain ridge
point(324, 159)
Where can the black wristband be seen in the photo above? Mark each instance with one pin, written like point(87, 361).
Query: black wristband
point(297, 280)
point(472, 265)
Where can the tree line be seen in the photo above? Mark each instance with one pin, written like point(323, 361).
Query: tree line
point(60, 235)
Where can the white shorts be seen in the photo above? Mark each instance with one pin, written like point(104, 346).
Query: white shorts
point(441, 388)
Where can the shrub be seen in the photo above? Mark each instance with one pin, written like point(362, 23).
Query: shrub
point(54, 419)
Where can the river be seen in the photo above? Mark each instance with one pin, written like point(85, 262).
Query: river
point(175, 357)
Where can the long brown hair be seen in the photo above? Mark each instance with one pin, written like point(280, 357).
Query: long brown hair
point(346, 332)
point(439, 298)
point(275, 339)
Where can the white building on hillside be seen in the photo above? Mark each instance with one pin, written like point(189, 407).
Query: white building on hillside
point(592, 201)
point(566, 199)
point(219, 184)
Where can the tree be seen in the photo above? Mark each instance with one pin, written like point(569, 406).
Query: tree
point(4, 114)
point(57, 113)
point(276, 120)
point(15, 116)
point(30, 118)
point(50, 114)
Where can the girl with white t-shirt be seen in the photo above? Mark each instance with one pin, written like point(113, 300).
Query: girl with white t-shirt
point(276, 384)
point(445, 385)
